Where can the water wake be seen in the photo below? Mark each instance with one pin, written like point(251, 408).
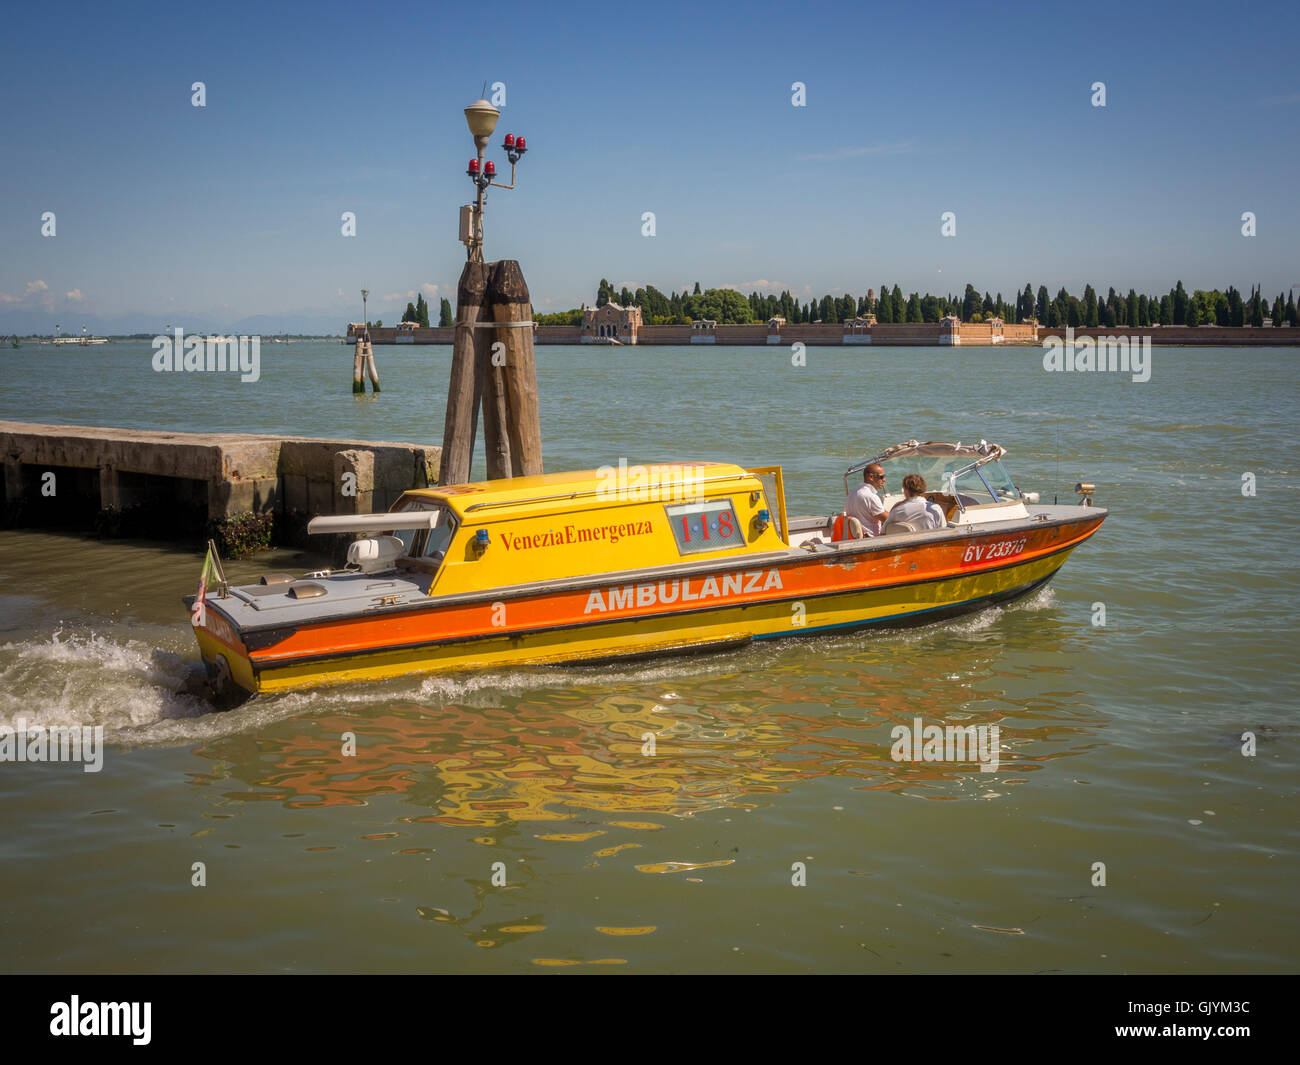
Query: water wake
point(86, 680)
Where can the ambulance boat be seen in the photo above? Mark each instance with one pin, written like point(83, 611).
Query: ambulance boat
point(619, 564)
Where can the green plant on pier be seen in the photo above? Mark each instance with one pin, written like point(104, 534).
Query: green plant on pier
point(241, 534)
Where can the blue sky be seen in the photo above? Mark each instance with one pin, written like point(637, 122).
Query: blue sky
point(233, 210)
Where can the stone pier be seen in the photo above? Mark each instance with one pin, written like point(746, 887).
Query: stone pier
point(173, 483)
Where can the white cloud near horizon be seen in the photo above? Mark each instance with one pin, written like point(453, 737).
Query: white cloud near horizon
point(37, 291)
point(762, 285)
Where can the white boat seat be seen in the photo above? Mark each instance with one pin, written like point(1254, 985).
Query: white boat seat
point(898, 526)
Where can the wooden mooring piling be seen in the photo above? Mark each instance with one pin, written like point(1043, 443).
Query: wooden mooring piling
point(494, 368)
point(364, 360)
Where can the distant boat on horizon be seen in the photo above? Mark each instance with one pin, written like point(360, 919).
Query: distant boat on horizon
point(84, 340)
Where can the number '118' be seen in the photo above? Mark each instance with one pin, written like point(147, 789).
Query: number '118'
point(726, 526)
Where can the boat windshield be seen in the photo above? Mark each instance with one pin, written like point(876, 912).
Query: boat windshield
point(973, 483)
point(427, 543)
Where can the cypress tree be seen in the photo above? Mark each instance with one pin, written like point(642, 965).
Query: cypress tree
point(1290, 310)
point(409, 315)
point(1192, 316)
point(444, 312)
point(1179, 299)
point(1134, 307)
point(1040, 311)
point(1143, 311)
point(1090, 306)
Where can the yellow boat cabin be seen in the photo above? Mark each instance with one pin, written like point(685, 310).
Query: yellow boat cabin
point(496, 534)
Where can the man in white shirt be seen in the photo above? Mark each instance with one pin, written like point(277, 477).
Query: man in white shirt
point(915, 509)
point(864, 503)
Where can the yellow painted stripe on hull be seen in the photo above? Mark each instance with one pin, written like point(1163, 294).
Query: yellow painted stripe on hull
point(664, 633)
point(240, 667)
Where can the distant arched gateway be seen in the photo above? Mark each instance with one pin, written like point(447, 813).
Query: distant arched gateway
point(612, 322)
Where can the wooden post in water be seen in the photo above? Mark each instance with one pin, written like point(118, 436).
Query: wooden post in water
point(511, 305)
point(358, 365)
point(370, 369)
point(496, 410)
point(463, 394)
point(364, 359)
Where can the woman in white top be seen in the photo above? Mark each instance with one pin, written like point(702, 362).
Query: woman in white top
point(915, 509)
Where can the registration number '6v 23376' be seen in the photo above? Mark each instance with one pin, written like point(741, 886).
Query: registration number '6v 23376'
point(993, 551)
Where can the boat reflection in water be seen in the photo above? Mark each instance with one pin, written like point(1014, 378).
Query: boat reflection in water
point(551, 780)
point(553, 754)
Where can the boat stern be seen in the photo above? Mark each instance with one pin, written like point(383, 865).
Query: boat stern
point(225, 657)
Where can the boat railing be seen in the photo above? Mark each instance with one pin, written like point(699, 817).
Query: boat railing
point(584, 493)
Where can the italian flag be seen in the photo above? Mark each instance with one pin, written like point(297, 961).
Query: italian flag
point(212, 574)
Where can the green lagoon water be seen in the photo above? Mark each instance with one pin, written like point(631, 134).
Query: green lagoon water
point(1122, 744)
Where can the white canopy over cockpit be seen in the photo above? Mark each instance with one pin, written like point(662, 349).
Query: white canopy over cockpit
point(970, 475)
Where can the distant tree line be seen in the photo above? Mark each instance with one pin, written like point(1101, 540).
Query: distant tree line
point(1176, 307)
point(888, 304)
point(418, 312)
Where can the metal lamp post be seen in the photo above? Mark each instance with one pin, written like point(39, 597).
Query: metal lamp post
point(493, 314)
point(481, 117)
point(365, 317)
